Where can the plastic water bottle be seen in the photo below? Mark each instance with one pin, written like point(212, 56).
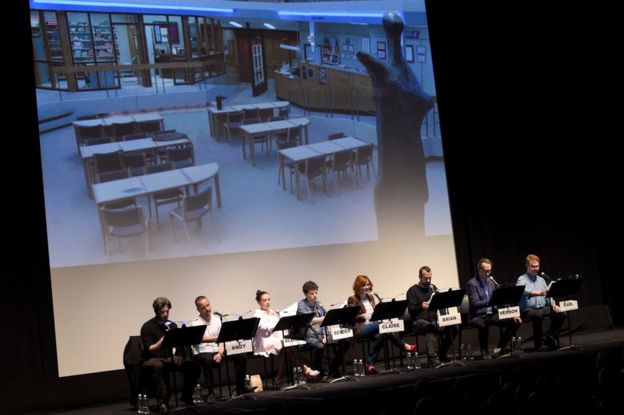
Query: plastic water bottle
point(146, 410)
point(469, 352)
point(416, 361)
point(295, 376)
point(302, 377)
point(140, 404)
point(361, 367)
point(410, 361)
point(197, 395)
point(520, 347)
point(356, 369)
point(247, 382)
point(462, 351)
point(514, 347)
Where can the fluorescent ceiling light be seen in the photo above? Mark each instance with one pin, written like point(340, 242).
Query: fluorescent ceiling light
point(269, 25)
point(235, 24)
point(132, 5)
point(331, 14)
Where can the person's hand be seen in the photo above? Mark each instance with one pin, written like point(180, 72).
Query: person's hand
point(217, 357)
point(324, 339)
point(425, 305)
point(367, 316)
point(517, 320)
point(556, 308)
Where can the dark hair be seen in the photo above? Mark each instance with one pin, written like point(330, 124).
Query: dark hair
point(309, 286)
point(159, 303)
point(199, 298)
point(483, 261)
point(259, 294)
point(423, 268)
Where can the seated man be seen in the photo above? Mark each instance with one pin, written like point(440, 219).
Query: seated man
point(535, 305)
point(208, 353)
point(425, 320)
point(479, 290)
point(160, 361)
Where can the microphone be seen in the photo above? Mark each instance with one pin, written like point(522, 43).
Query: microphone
point(168, 324)
point(219, 314)
point(546, 277)
point(335, 304)
point(378, 297)
point(493, 280)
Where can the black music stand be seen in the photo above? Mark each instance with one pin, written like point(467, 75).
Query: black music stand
point(446, 299)
point(341, 316)
point(562, 289)
point(295, 325)
point(181, 336)
point(240, 329)
point(386, 311)
point(506, 296)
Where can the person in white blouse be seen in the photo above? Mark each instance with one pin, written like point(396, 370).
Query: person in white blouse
point(267, 342)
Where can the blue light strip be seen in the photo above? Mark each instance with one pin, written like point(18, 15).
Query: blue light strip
point(331, 14)
point(87, 4)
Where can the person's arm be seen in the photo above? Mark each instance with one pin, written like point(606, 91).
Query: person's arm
point(149, 340)
point(414, 306)
point(473, 296)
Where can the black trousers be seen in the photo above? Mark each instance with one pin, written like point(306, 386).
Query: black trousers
point(537, 315)
point(160, 368)
point(483, 323)
point(206, 360)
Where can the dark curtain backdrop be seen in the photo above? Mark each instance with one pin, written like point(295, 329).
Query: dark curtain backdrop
point(528, 165)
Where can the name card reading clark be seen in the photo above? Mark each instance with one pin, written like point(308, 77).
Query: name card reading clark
point(238, 347)
point(508, 312)
point(391, 326)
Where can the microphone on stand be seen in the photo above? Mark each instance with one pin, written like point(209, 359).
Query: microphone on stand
point(168, 324)
point(493, 280)
point(546, 277)
point(343, 304)
point(378, 297)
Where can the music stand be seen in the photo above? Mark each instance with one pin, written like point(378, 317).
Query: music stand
point(294, 324)
point(564, 288)
point(446, 299)
point(341, 316)
point(386, 311)
point(181, 336)
point(506, 296)
point(240, 329)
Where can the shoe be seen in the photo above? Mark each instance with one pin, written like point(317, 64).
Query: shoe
point(410, 347)
point(486, 355)
point(162, 408)
point(245, 390)
point(549, 341)
point(498, 351)
point(210, 399)
point(434, 362)
point(311, 373)
point(542, 348)
point(370, 369)
point(443, 358)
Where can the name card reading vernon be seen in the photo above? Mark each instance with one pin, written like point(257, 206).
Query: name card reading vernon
point(508, 312)
point(568, 305)
point(449, 319)
point(338, 333)
point(238, 347)
point(391, 326)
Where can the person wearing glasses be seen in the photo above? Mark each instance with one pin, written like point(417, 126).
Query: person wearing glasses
point(479, 290)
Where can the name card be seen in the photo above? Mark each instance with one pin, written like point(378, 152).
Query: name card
point(338, 333)
point(508, 312)
point(390, 326)
point(238, 347)
point(568, 305)
point(449, 320)
point(288, 342)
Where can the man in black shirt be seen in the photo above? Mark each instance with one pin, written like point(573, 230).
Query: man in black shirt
point(424, 320)
point(160, 361)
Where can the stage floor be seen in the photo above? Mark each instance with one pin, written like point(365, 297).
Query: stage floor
point(404, 390)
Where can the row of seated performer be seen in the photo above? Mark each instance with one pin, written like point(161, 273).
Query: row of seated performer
point(534, 306)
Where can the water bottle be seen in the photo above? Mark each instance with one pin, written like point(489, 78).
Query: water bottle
point(416, 361)
point(146, 410)
point(514, 347)
point(462, 351)
point(295, 379)
point(247, 382)
point(410, 362)
point(302, 377)
point(520, 347)
point(356, 369)
point(197, 395)
point(140, 404)
point(469, 352)
point(361, 367)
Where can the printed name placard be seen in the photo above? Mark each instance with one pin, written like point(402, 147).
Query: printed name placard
point(508, 312)
point(288, 342)
point(238, 347)
point(390, 326)
point(449, 320)
point(568, 305)
point(338, 333)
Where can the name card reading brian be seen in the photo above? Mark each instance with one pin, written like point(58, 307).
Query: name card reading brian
point(238, 347)
point(449, 319)
point(390, 326)
point(568, 305)
point(508, 312)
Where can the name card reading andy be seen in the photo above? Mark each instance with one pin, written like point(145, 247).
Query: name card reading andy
point(238, 347)
point(508, 312)
point(338, 333)
point(568, 305)
point(390, 326)
point(449, 319)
